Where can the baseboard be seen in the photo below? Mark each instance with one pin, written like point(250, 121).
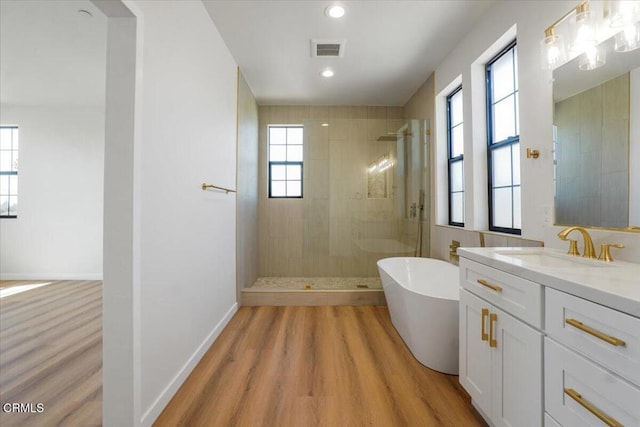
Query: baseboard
point(56, 276)
point(149, 417)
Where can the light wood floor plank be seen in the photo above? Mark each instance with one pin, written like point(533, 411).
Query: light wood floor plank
point(51, 353)
point(315, 366)
point(286, 366)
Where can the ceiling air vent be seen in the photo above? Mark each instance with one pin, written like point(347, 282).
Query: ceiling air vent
point(327, 48)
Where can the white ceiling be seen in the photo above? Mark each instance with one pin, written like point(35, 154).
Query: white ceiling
point(392, 46)
point(50, 54)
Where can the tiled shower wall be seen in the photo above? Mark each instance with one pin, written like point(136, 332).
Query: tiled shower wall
point(318, 235)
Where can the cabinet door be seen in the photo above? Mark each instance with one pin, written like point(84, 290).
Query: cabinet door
point(475, 354)
point(580, 393)
point(516, 373)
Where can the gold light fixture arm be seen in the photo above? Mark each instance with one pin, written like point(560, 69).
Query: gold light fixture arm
point(583, 6)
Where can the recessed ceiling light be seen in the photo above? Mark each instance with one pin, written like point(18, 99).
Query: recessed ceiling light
point(335, 11)
point(327, 73)
point(324, 125)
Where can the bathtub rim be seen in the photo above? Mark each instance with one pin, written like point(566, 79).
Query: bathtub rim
point(426, 295)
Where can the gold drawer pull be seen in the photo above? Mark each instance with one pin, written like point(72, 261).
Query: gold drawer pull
point(489, 285)
point(610, 421)
point(611, 340)
point(483, 332)
point(492, 339)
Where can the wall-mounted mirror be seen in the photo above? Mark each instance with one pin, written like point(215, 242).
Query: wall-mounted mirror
point(597, 142)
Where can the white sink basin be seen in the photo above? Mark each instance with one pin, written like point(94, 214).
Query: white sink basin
point(545, 259)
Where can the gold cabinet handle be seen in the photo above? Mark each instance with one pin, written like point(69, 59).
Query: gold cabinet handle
point(483, 332)
point(489, 285)
point(610, 421)
point(579, 325)
point(492, 339)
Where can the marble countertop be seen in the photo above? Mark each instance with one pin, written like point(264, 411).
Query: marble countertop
point(615, 285)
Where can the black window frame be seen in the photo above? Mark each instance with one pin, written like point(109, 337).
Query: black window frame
point(510, 141)
point(451, 160)
point(284, 163)
point(10, 172)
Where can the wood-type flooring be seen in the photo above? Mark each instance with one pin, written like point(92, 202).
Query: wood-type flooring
point(316, 366)
point(51, 353)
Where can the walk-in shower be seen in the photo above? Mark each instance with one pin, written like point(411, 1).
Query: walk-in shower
point(361, 202)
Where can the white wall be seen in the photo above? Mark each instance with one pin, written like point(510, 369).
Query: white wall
point(184, 238)
point(58, 232)
point(536, 114)
point(634, 149)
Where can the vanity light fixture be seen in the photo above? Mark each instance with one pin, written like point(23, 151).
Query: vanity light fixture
point(583, 29)
point(552, 49)
point(624, 15)
point(583, 40)
point(327, 73)
point(628, 39)
point(334, 11)
point(592, 58)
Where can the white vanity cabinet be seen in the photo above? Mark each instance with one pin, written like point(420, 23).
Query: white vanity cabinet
point(589, 315)
point(501, 355)
point(592, 363)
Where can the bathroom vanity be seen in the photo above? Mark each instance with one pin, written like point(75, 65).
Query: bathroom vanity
point(548, 338)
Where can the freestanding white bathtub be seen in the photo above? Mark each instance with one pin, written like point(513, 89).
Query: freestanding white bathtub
point(422, 295)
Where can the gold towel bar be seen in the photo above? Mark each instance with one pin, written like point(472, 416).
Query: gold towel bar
point(579, 325)
point(610, 421)
point(226, 190)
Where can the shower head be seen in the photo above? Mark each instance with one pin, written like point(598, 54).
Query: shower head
point(391, 136)
point(388, 138)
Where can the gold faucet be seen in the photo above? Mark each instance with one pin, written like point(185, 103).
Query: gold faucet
point(453, 253)
point(605, 252)
point(589, 251)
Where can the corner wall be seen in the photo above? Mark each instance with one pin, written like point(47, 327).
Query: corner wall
point(247, 186)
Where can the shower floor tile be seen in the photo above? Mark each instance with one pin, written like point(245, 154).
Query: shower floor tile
point(318, 283)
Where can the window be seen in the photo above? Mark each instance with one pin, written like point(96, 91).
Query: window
point(455, 150)
point(285, 161)
point(8, 171)
point(503, 129)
